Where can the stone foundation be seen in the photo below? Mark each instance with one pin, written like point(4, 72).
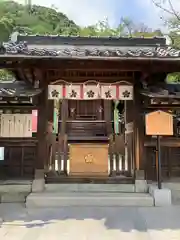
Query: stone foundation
point(162, 197)
point(14, 193)
point(38, 184)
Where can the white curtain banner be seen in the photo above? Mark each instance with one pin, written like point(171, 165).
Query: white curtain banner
point(108, 92)
point(73, 92)
point(91, 92)
point(125, 92)
point(55, 92)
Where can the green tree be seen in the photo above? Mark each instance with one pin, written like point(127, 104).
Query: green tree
point(33, 20)
point(172, 21)
point(102, 29)
point(125, 28)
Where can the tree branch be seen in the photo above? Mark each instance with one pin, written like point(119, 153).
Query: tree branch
point(171, 11)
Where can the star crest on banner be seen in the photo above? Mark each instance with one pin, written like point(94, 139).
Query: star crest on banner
point(108, 94)
point(55, 93)
point(126, 94)
point(73, 94)
point(90, 94)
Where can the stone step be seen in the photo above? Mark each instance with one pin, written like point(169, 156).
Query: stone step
point(55, 200)
point(82, 187)
point(13, 191)
point(175, 190)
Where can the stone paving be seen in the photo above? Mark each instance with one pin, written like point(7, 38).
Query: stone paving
point(89, 223)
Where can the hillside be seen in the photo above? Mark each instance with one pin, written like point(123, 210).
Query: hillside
point(42, 20)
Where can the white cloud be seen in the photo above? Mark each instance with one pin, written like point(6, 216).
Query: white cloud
point(83, 12)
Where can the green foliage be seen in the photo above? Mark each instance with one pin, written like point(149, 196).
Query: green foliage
point(173, 24)
point(173, 77)
point(34, 20)
point(126, 28)
point(6, 76)
point(42, 20)
point(102, 29)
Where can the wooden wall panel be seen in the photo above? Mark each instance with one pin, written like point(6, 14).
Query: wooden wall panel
point(170, 161)
point(19, 162)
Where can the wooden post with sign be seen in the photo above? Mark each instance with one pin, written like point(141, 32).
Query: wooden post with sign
point(159, 123)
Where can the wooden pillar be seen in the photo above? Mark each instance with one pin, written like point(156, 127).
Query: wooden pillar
point(129, 137)
point(63, 144)
point(50, 110)
point(42, 128)
point(139, 152)
point(107, 118)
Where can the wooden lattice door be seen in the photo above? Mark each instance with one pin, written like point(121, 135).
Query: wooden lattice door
point(85, 110)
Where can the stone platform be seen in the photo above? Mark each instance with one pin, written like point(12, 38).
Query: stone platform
point(55, 200)
point(14, 191)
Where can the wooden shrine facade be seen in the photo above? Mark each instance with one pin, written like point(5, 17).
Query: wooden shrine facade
point(18, 143)
point(93, 95)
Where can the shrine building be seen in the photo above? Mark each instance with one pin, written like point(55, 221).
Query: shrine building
point(88, 97)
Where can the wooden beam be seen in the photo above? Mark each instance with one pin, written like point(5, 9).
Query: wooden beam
point(139, 152)
point(63, 136)
point(161, 107)
point(124, 65)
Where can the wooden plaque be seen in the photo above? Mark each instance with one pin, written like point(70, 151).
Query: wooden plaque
point(159, 123)
point(88, 160)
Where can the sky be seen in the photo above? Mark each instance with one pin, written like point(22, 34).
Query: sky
point(88, 12)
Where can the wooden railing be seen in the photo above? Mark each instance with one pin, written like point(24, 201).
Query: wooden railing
point(87, 131)
point(117, 163)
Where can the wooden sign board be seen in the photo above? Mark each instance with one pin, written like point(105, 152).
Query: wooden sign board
point(159, 123)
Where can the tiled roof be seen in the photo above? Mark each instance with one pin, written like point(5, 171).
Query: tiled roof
point(92, 41)
point(64, 47)
point(169, 91)
point(17, 89)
